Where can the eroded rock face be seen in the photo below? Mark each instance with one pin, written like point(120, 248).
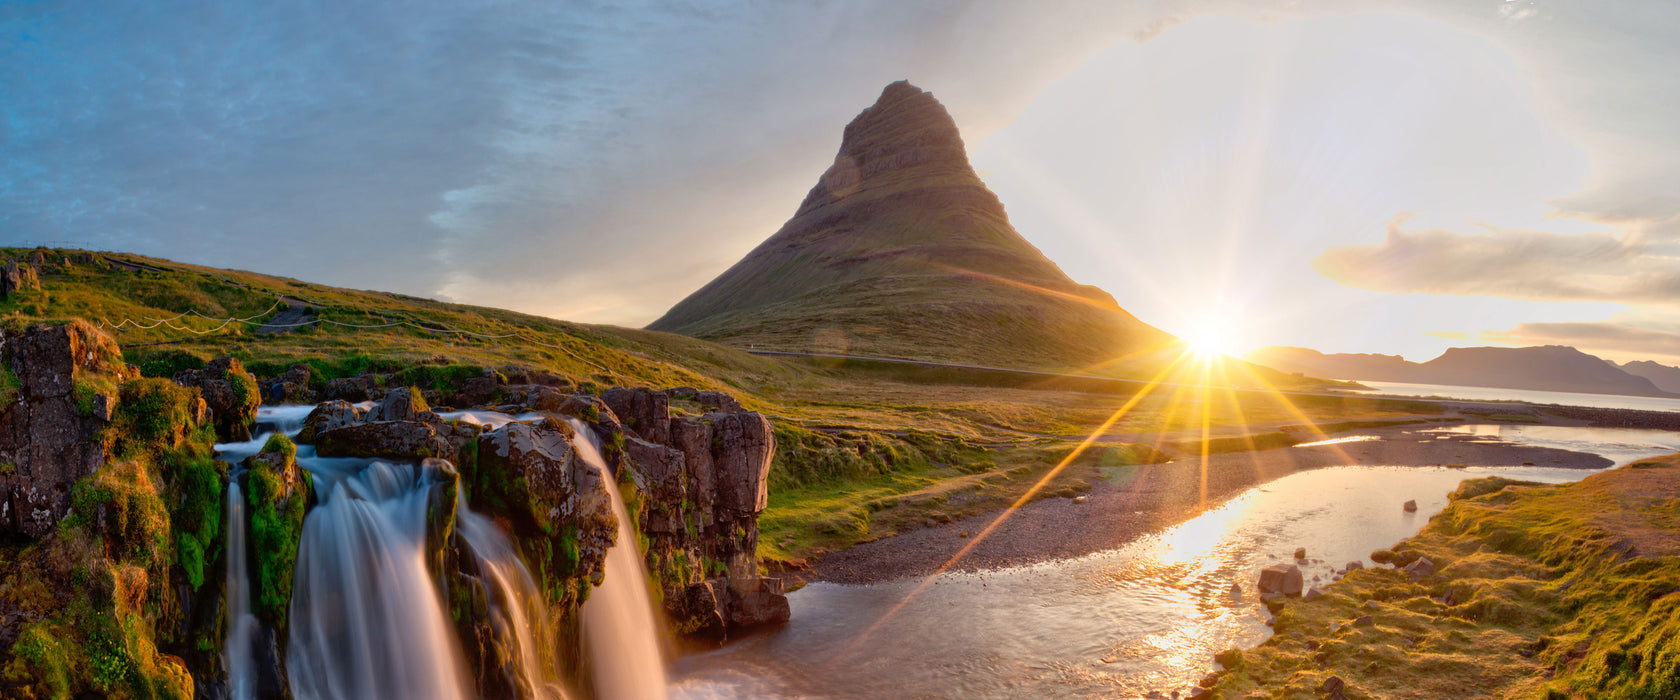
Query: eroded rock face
point(15, 278)
point(660, 476)
point(742, 447)
point(531, 474)
point(644, 411)
point(231, 393)
point(46, 444)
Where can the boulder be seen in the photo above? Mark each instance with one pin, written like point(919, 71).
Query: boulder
point(697, 611)
point(479, 390)
point(535, 397)
point(396, 439)
point(15, 278)
point(758, 604)
point(1312, 594)
point(742, 447)
point(231, 393)
point(1363, 621)
point(719, 402)
point(644, 411)
point(1300, 552)
point(291, 387)
point(1281, 579)
point(351, 389)
point(1420, 568)
point(1354, 566)
point(328, 415)
point(1409, 506)
point(403, 404)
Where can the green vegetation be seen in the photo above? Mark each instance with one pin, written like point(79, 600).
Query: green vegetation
point(1568, 591)
point(8, 388)
point(153, 414)
point(164, 363)
point(276, 523)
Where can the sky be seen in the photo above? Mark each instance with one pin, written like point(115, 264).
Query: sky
point(1348, 175)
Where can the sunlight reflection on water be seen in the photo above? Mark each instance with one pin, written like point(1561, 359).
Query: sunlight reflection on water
point(1146, 616)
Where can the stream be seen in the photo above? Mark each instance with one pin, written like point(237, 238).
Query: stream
point(1145, 617)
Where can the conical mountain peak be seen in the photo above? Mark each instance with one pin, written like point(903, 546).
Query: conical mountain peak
point(900, 250)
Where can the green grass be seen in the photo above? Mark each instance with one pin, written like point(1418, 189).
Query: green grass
point(1568, 591)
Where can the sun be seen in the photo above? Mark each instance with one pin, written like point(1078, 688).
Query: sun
point(1210, 339)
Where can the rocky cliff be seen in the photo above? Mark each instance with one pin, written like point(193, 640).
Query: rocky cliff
point(901, 251)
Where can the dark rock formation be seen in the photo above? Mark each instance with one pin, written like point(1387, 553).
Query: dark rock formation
point(1280, 579)
point(46, 443)
point(532, 475)
point(644, 411)
point(15, 278)
point(232, 394)
point(291, 387)
point(352, 389)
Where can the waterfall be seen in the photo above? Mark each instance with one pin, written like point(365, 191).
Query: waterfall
point(513, 596)
point(366, 617)
point(619, 626)
point(242, 624)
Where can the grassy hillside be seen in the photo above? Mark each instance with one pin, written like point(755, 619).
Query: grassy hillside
point(851, 435)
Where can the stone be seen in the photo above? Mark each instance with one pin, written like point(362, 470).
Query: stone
point(351, 389)
point(1333, 685)
point(104, 407)
point(1300, 552)
point(45, 442)
point(404, 439)
point(1409, 506)
point(535, 397)
point(403, 404)
point(559, 486)
point(743, 445)
point(644, 411)
point(1281, 578)
point(479, 390)
point(697, 611)
point(328, 415)
point(1199, 693)
point(232, 394)
point(1420, 568)
point(1229, 658)
point(1312, 594)
point(661, 479)
point(693, 437)
point(15, 278)
point(1363, 621)
point(719, 402)
point(755, 607)
point(292, 387)
point(1354, 566)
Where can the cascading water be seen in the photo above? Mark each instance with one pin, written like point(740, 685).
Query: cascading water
point(619, 627)
point(515, 599)
point(242, 624)
point(366, 618)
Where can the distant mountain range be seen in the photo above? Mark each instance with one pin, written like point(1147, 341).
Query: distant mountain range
point(1543, 368)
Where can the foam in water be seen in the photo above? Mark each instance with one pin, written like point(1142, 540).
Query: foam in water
point(366, 618)
point(619, 627)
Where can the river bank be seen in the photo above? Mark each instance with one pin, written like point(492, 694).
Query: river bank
point(1532, 591)
point(1134, 500)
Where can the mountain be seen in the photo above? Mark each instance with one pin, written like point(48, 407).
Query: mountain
point(901, 251)
point(1543, 368)
point(1665, 377)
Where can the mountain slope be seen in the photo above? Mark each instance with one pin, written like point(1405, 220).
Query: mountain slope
point(901, 251)
point(1543, 368)
point(1665, 377)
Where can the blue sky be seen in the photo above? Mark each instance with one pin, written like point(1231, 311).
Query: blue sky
point(1351, 176)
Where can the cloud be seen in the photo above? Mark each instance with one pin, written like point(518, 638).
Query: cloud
point(1507, 263)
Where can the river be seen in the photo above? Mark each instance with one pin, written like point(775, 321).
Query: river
point(1145, 617)
point(1561, 398)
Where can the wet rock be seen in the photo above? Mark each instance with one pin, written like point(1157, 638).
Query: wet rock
point(534, 471)
point(644, 411)
point(1409, 506)
point(756, 605)
point(328, 415)
point(231, 393)
point(1281, 578)
point(404, 439)
point(697, 612)
point(403, 404)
